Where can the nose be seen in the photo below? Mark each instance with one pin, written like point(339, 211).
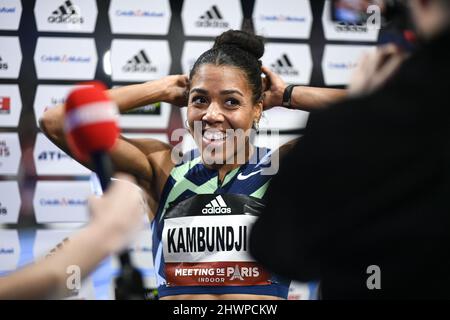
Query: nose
point(213, 114)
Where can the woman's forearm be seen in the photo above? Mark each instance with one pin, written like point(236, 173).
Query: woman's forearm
point(48, 277)
point(137, 95)
point(311, 98)
point(109, 231)
point(302, 97)
point(126, 98)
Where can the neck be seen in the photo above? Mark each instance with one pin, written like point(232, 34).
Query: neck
point(229, 166)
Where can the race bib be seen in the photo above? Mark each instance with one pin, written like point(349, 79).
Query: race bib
point(205, 241)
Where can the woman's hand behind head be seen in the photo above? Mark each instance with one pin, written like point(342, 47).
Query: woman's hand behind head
point(176, 87)
point(273, 89)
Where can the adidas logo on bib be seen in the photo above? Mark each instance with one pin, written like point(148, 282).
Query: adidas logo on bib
point(216, 206)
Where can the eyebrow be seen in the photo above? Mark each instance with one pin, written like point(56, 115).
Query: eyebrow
point(223, 92)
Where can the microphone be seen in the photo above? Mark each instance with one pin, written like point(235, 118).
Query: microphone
point(91, 131)
point(91, 127)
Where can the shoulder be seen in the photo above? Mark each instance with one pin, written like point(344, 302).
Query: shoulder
point(149, 146)
point(159, 156)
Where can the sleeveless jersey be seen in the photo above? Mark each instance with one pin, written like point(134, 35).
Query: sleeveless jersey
point(201, 229)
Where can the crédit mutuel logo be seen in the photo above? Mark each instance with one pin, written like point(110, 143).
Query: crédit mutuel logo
point(282, 18)
point(65, 58)
point(5, 10)
point(350, 65)
point(139, 13)
point(6, 251)
point(212, 18)
point(140, 62)
point(63, 202)
point(67, 13)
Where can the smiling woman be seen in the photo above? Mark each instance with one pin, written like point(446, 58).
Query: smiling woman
point(201, 228)
point(224, 111)
point(204, 206)
point(227, 94)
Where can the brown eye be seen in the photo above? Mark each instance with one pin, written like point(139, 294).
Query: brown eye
point(231, 102)
point(199, 100)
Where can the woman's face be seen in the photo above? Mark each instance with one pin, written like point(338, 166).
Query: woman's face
point(220, 102)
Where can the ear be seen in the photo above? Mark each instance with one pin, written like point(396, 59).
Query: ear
point(265, 83)
point(258, 109)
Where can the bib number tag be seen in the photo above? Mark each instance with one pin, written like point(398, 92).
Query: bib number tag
point(210, 249)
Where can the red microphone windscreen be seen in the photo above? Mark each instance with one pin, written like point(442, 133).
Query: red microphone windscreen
point(90, 120)
point(410, 36)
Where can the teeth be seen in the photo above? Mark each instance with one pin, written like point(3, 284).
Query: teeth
point(214, 135)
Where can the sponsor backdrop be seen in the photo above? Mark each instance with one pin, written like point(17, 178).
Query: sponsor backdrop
point(48, 46)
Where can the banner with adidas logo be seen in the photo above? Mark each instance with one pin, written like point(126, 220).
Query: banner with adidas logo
point(66, 15)
point(292, 62)
point(210, 17)
point(205, 241)
point(139, 63)
point(139, 60)
point(284, 67)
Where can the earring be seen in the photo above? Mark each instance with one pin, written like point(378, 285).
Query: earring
point(256, 126)
point(186, 124)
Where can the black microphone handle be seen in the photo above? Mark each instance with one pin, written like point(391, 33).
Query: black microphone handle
point(130, 284)
point(103, 168)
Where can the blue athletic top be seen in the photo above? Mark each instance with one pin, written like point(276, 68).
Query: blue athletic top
point(200, 232)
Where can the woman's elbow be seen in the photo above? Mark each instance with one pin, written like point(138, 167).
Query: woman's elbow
point(51, 124)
